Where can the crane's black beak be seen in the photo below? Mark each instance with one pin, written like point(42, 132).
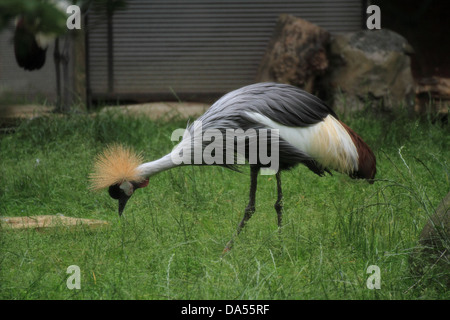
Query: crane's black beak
point(117, 193)
point(123, 199)
point(124, 191)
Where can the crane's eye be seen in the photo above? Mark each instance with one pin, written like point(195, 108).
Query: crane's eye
point(114, 191)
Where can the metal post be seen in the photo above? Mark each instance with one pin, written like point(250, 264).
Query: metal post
point(110, 47)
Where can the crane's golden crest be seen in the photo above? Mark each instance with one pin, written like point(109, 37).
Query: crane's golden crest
point(115, 165)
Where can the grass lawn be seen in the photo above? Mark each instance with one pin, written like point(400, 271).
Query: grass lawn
point(168, 244)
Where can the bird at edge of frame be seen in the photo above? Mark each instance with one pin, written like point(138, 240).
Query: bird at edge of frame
point(36, 30)
point(310, 133)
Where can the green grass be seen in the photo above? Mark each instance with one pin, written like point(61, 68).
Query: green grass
point(169, 243)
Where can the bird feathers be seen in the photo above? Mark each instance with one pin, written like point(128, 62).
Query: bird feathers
point(327, 142)
point(367, 167)
point(284, 104)
point(115, 165)
point(310, 131)
point(333, 147)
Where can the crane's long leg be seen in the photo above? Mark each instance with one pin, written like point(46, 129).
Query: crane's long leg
point(250, 209)
point(279, 204)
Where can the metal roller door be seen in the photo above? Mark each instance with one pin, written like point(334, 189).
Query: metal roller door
point(180, 48)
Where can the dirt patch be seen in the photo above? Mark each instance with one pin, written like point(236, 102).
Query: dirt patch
point(26, 111)
point(162, 110)
point(46, 222)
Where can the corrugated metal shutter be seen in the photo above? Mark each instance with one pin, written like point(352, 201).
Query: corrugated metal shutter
point(198, 46)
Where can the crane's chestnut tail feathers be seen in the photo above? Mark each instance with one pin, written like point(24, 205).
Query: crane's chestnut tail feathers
point(335, 145)
point(115, 165)
point(366, 159)
point(326, 145)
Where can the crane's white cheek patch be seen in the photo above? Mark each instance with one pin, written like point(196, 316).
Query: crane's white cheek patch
point(127, 188)
point(327, 142)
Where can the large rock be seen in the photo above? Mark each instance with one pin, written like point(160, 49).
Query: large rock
point(434, 249)
point(433, 95)
point(296, 53)
point(369, 68)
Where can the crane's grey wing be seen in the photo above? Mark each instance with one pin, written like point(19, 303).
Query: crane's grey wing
point(284, 104)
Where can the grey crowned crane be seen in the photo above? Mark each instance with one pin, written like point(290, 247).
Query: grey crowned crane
point(306, 129)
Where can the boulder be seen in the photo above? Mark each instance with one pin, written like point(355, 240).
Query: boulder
point(296, 53)
point(433, 95)
point(369, 68)
point(434, 245)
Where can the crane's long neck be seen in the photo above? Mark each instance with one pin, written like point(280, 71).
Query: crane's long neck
point(153, 167)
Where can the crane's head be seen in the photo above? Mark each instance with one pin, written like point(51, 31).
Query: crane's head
point(116, 168)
